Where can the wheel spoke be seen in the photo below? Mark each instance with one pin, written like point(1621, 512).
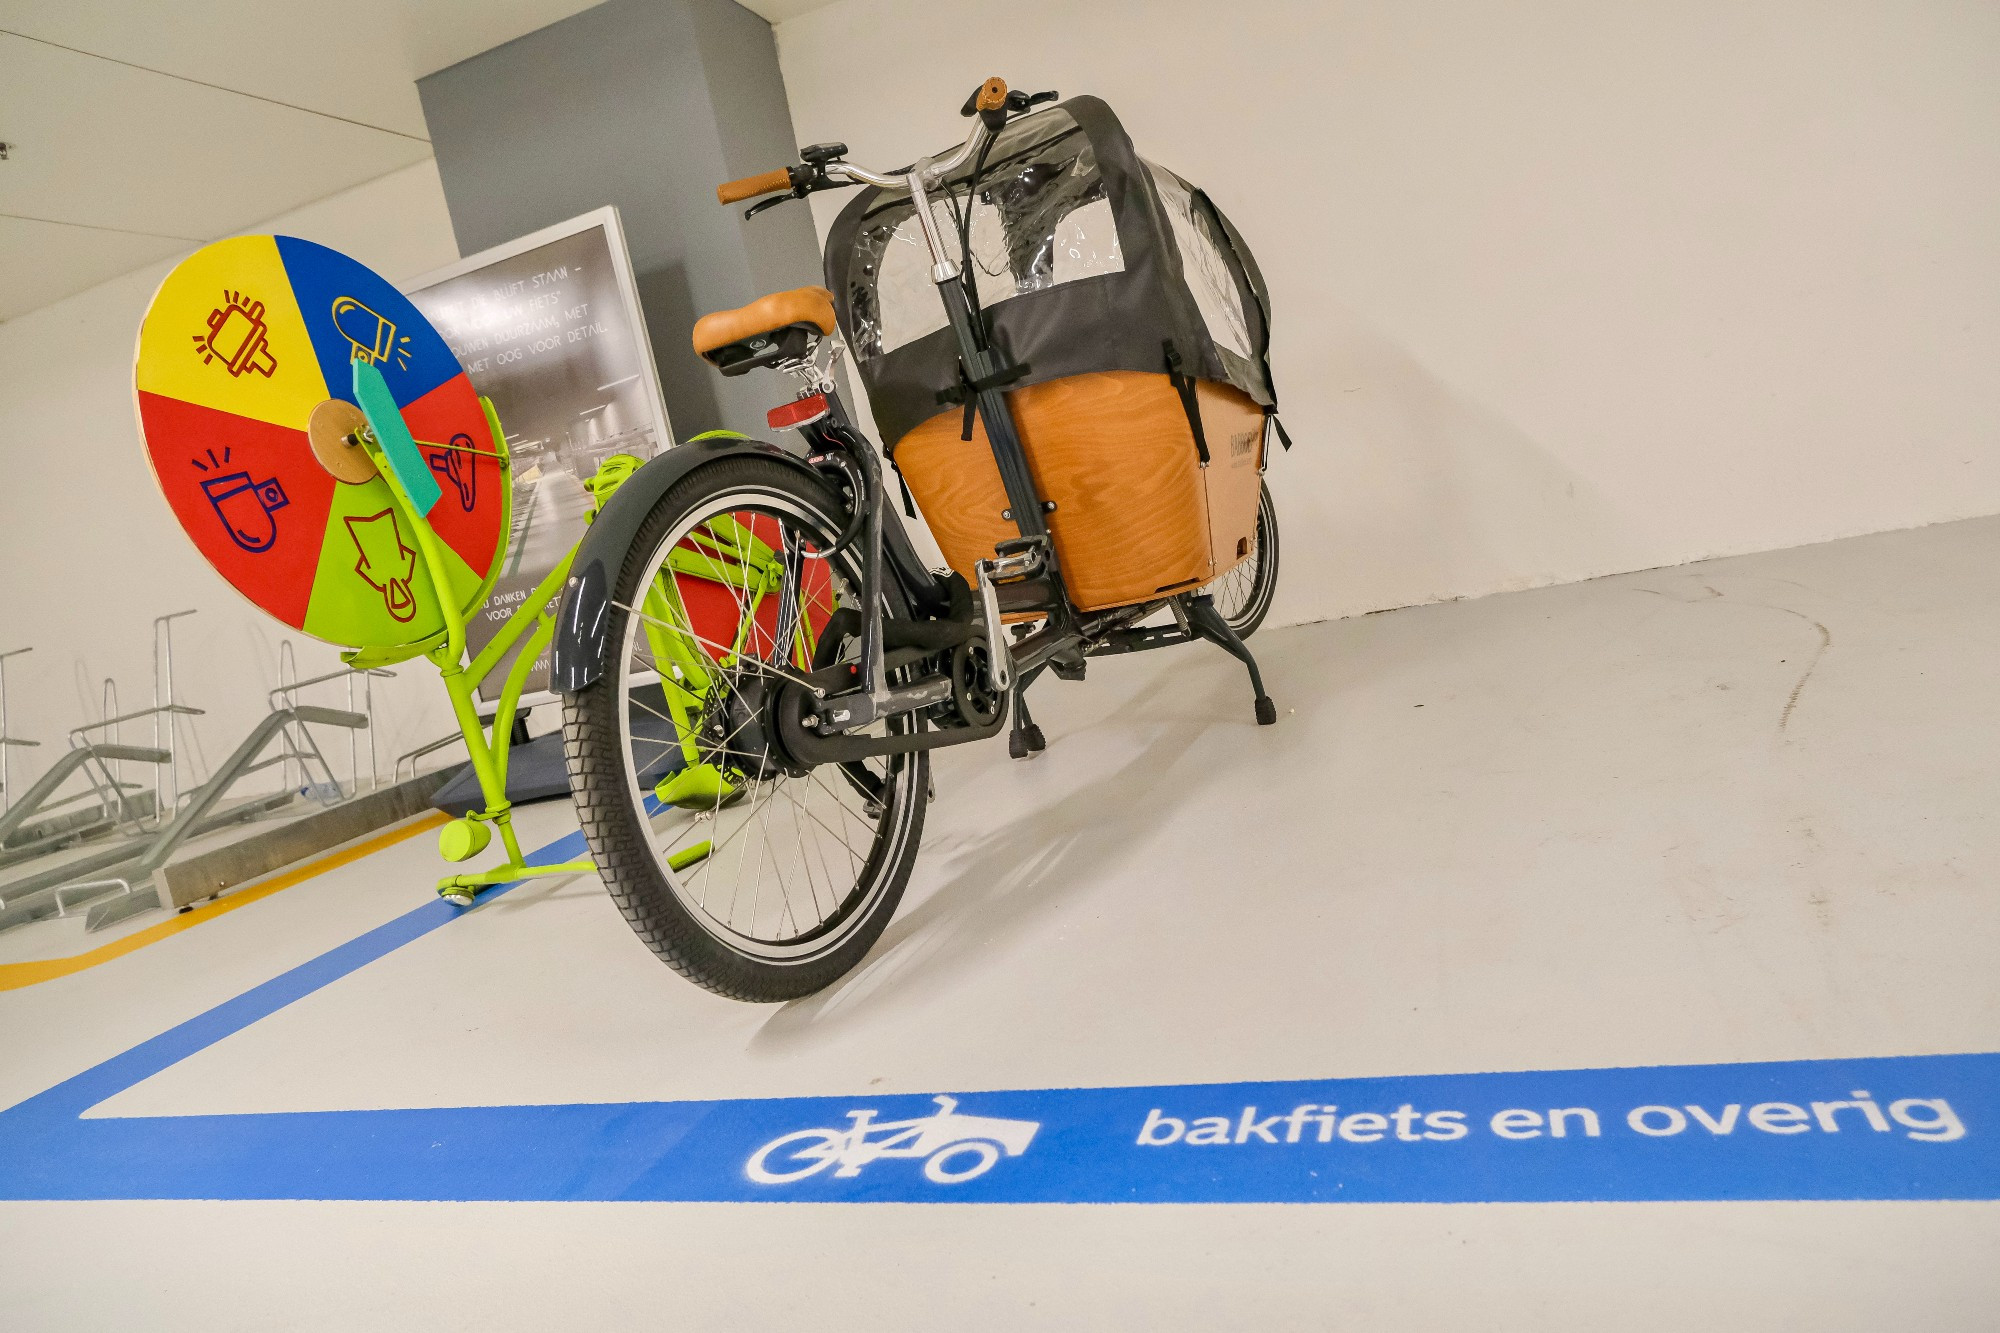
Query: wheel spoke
point(767, 869)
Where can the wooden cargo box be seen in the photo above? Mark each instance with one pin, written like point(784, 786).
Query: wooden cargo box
point(1137, 516)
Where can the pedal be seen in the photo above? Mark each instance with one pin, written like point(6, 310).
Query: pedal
point(699, 787)
point(1018, 557)
point(1019, 546)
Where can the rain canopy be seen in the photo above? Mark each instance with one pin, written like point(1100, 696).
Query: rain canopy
point(1085, 257)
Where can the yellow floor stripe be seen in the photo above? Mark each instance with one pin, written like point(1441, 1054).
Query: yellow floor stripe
point(13, 976)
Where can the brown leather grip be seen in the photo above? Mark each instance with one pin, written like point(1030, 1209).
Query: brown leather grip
point(749, 187)
point(992, 94)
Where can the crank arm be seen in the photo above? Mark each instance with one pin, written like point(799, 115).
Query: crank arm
point(1023, 561)
point(812, 748)
point(851, 712)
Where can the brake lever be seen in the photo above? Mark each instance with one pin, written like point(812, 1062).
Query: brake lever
point(1018, 101)
point(815, 183)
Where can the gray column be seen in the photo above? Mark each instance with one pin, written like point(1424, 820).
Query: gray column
point(648, 105)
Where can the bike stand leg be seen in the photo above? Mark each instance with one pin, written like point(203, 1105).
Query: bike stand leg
point(1025, 741)
point(1208, 623)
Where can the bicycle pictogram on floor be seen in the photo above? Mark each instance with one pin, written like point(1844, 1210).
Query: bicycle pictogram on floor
point(955, 1147)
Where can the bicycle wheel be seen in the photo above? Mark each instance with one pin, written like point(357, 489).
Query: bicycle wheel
point(795, 1156)
point(940, 1169)
point(1243, 595)
point(747, 873)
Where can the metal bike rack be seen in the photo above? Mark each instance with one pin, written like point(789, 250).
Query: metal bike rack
point(125, 868)
point(93, 760)
point(411, 756)
point(286, 696)
point(166, 783)
point(7, 738)
point(55, 891)
point(95, 747)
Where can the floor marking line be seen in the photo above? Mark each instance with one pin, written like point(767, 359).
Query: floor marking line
point(13, 976)
point(76, 1095)
point(1548, 1136)
point(1883, 1127)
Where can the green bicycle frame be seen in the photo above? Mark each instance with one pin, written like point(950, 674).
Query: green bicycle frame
point(724, 552)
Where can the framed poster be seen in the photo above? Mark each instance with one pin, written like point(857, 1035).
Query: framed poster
point(549, 328)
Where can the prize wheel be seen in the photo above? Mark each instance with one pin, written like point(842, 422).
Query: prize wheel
point(244, 386)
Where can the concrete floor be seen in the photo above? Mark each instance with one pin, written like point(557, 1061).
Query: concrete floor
point(1734, 811)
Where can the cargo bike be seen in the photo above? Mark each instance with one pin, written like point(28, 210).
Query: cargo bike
point(1064, 347)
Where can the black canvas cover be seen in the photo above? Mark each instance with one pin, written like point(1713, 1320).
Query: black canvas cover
point(1085, 257)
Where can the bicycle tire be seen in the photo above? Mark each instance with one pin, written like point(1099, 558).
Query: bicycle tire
point(610, 798)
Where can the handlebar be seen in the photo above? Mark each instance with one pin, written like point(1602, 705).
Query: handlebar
point(991, 96)
point(990, 104)
point(769, 182)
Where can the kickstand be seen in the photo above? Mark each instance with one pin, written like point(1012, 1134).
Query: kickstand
point(1208, 623)
point(1025, 741)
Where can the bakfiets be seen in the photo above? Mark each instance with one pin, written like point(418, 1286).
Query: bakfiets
point(1065, 347)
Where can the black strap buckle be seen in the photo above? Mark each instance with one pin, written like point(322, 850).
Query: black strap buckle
point(967, 390)
point(1271, 415)
point(1190, 400)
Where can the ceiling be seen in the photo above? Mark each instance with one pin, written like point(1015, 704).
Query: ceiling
point(137, 130)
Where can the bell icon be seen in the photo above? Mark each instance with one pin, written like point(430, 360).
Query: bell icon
point(238, 336)
point(245, 508)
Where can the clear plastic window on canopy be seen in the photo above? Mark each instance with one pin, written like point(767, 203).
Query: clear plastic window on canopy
point(1040, 218)
point(1210, 275)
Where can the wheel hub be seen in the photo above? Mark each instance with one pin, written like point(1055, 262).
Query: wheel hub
point(740, 733)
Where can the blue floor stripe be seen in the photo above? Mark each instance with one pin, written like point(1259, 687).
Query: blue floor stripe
point(74, 1096)
point(1905, 1127)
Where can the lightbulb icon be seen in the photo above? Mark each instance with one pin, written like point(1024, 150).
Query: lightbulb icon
point(373, 336)
point(238, 337)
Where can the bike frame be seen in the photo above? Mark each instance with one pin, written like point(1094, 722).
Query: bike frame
point(733, 556)
point(889, 551)
point(821, 720)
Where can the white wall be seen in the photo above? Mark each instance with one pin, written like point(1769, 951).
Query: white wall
point(92, 552)
point(1562, 288)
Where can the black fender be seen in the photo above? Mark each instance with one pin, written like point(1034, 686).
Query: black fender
point(586, 600)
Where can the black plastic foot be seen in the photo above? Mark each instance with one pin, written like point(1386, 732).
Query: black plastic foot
point(1208, 623)
point(1026, 742)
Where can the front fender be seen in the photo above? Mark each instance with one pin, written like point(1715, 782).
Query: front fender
point(586, 600)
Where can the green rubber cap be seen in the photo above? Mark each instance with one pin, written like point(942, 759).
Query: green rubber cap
point(463, 839)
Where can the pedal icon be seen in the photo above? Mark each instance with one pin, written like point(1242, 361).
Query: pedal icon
point(954, 1147)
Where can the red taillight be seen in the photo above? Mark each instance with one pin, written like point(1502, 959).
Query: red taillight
point(802, 412)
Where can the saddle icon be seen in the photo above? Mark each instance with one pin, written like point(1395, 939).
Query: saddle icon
point(245, 508)
point(456, 466)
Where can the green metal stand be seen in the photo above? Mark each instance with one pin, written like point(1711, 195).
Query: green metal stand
point(723, 551)
point(466, 837)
